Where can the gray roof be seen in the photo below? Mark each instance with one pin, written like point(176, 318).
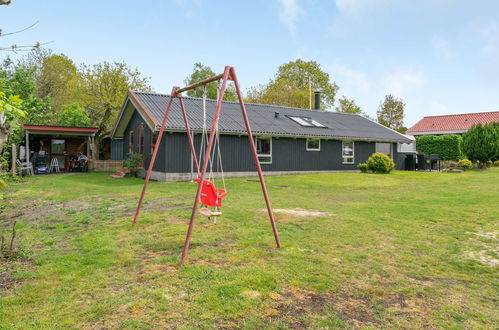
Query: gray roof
point(264, 122)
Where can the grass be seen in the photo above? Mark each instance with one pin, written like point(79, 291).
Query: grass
point(405, 250)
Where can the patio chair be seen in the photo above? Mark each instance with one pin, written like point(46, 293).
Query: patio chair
point(24, 166)
point(435, 162)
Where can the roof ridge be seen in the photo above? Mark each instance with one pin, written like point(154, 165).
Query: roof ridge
point(461, 114)
point(255, 104)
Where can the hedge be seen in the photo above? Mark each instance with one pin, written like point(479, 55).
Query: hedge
point(447, 146)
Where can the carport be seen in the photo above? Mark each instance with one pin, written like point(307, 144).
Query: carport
point(60, 142)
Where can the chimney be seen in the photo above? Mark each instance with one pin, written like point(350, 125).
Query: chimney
point(317, 100)
point(276, 114)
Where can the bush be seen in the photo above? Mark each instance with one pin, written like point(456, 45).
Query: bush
point(496, 163)
point(363, 167)
point(465, 164)
point(481, 143)
point(133, 163)
point(447, 146)
point(380, 163)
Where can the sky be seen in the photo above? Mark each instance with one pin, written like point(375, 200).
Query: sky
point(439, 57)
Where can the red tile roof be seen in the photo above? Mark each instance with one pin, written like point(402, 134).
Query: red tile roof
point(460, 122)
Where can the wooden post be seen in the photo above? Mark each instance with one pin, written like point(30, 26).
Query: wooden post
point(28, 153)
point(14, 158)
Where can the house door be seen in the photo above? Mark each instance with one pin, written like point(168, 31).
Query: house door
point(58, 150)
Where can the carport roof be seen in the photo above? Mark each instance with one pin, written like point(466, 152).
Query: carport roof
point(60, 130)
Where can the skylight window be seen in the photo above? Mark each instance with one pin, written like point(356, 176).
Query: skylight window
point(306, 121)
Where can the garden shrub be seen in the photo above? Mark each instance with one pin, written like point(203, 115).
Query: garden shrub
point(447, 146)
point(133, 162)
point(496, 163)
point(380, 163)
point(465, 164)
point(481, 143)
point(363, 167)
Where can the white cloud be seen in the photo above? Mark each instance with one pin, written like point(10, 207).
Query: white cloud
point(352, 6)
point(489, 34)
point(349, 78)
point(289, 12)
point(486, 32)
point(402, 82)
point(442, 48)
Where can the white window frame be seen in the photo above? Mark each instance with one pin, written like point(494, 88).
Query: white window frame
point(353, 152)
point(313, 149)
point(264, 155)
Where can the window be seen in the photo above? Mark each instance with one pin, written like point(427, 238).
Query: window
point(313, 144)
point(154, 138)
point(264, 150)
point(384, 148)
point(141, 139)
point(406, 147)
point(58, 146)
point(130, 142)
point(306, 121)
point(347, 155)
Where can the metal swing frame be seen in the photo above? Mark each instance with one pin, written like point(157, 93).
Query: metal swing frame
point(229, 74)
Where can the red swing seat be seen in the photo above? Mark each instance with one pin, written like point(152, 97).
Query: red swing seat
point(211, 196)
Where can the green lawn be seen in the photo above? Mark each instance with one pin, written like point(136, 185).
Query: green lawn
point(405, 250)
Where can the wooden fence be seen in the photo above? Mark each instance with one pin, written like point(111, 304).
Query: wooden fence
point(107, 165)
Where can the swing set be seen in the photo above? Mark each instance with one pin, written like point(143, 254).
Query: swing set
point(207, 193)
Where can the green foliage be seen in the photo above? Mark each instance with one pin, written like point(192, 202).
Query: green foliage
point(133, 162)
point(74, 115)
point(481, 142)
point(465, 164)
point(391, 113)
point(496, 163)
point(380, 163)
point(10, 106)
point(346, 105)
point(363, 167)
point(20, 79)
point(3, 185)
point(447, 146)
point(201, 72)
point(58, 80)
point(104, 87)
point(291, 86)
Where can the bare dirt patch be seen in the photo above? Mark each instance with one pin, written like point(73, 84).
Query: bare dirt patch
point(251, 294)
point(298, 212)
point(488, 243)
point(8, 280)
point(292, 304)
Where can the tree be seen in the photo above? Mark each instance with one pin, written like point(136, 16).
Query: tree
point(74, 115)
point(58, 80)
point(9, 113)
point(391, 113)
point(481, 142)
point(104, 87)
point(292, 85)
point(201, 72)
point(19, 79)
point(346, 105)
